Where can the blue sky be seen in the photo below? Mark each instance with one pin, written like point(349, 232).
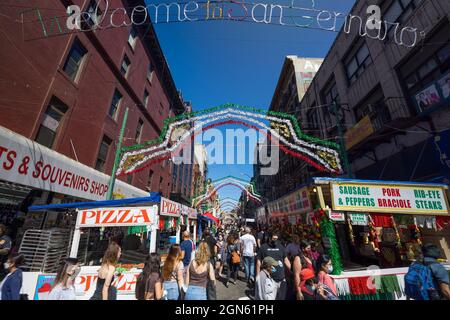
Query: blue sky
point(218, 62)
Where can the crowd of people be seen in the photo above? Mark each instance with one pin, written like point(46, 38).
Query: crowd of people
point(274, 267)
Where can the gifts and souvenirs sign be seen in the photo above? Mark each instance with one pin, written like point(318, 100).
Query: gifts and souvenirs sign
point(389, 198)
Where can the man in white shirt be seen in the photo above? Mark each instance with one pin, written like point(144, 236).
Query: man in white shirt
point(248, 242)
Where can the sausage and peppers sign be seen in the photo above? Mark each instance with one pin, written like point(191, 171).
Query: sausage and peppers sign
point(118, 217)
point(407, 199)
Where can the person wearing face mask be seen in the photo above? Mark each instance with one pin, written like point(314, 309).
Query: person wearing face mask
point(325, 269)
point(12, 283)
point(311, 289)
point(265, 285)
point(64, 288)
point(302, 261)
point(277, 252)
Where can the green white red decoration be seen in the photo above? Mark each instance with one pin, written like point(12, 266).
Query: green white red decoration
point(283, 127)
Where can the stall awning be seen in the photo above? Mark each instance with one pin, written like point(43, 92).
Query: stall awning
point(210, 217)
point(153, 198)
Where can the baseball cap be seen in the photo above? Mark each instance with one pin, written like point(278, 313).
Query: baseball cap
point(269, 261)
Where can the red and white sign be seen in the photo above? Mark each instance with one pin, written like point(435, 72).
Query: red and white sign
point(103, 217)
point(170, 208)
point(192, 213)
point(28, 163)
point(336, 216)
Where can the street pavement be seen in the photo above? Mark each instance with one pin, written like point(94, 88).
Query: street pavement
point(238, 291)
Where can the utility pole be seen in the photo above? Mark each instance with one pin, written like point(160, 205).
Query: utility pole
point(112, 180)
point(344, 154)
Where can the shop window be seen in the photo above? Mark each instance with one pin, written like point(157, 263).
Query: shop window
point(138, 134)
point(358, 63)
point(74, 60)
point(132, 37)
point(48, 128)
point(146, 95)
point(125, 66)
point(115, 104)
point(427, 84)
point(103, 154)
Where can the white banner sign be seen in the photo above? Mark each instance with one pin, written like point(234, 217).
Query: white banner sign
point(408, 199)
point(28, 163)
point(120, 217)
point(170, 208)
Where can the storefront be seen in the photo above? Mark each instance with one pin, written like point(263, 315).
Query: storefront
point(290, 209)
point(32, 174)
point(385, 223)
point(170, 221)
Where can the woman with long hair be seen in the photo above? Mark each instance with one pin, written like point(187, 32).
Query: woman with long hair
point(325, 267)
point(105, 290)
point(200, 270)
point(172, 273)
point(233, 258)
point(63, 287)
point(302, 261)
point(148, 284)
point(12, 283)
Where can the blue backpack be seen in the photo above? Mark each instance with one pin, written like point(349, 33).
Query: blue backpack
point(419, 283)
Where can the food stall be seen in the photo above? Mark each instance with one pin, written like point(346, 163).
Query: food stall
point(170, 219)
point(373, 230)
point(124, 214)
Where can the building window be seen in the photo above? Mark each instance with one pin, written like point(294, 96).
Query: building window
point(150, 178)
point(103, 154)
point(74, 60)
point(160, 182)
point(130, 179)
point(399, 12)
point(125, 66)
point(429, 83)
point(115, 104)
point(430, 70)
point(93, 20)
point(132, 38)
point(146, 95)
point(358, 63)
point(48, 128)
point(137, 137)
point(150, 72)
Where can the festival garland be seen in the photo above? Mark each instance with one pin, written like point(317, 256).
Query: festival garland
point(327, 231)
point(324, 155)
point(321, 154)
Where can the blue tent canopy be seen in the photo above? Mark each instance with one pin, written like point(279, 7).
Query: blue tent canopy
point(154, 198)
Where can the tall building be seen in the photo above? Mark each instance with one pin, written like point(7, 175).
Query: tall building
point(63, 98)
point(389, 103)
point(391, 131)
point(200, 170)
point(295, 78)
point(182, 172)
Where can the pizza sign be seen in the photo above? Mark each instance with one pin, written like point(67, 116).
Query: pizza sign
point(170, 208)
point(131, 216)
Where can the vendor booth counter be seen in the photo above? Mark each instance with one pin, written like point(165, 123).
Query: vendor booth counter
point(152, 219)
